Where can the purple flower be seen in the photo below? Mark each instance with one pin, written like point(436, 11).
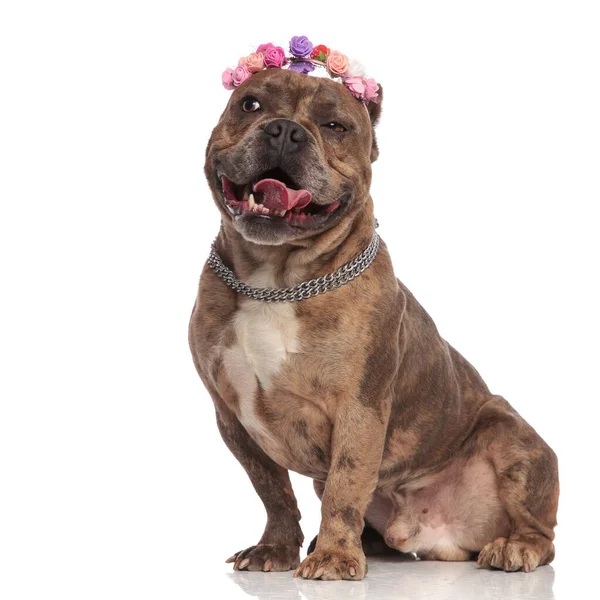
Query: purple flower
point(302, 66)
point(300, 46)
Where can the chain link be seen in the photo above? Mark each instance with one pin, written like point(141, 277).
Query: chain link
point(302, 291)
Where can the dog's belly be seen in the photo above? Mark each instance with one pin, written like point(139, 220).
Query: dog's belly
point(449, 514)
point(258, 365)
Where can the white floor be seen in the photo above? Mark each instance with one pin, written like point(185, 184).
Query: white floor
point(403, 580)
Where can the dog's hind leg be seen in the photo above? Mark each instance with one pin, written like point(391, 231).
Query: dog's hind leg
point(527, 472)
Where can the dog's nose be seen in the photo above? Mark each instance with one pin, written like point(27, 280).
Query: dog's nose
point(286, 135)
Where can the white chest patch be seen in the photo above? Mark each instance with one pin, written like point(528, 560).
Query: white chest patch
point(266, 334)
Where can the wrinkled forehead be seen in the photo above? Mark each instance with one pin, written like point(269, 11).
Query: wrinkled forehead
point(293, 91)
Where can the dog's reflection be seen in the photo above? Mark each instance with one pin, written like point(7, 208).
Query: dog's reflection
point(403, 579)
point(267, 585)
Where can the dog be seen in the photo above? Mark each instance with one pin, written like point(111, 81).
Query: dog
point(353, 386)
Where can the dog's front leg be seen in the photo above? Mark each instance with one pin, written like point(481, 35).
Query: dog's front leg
point(279, 547)
point(357, 446)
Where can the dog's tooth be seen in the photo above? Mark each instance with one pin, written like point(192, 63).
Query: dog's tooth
point(251, 201)
point(246, 191)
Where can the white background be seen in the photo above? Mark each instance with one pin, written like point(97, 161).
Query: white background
point(114, 481)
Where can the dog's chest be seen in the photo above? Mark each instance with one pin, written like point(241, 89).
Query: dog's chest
point(266, 336)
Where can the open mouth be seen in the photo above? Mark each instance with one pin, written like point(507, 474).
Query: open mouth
point(275, 195)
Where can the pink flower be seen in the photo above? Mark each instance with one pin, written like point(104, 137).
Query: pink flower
point(253, 62)
point(274, 56)
point(337, 62)
point(265, 47)
point(227, 79)
point(371, 89)
point(355, 85)
point(240, 75)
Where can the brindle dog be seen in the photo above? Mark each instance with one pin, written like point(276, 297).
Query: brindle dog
point(354, 388)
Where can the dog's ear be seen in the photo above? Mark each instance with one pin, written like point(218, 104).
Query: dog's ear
point(374, 113)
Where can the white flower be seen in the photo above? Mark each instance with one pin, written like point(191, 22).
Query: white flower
point(355, 69)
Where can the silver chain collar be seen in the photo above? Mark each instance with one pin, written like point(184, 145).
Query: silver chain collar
point(304, 290)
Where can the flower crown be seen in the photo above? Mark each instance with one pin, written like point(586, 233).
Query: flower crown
point(304, 58)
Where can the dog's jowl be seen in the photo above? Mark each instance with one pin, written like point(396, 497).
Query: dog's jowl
point(345, 379)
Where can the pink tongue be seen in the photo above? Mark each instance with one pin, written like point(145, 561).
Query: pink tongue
point(277, 196)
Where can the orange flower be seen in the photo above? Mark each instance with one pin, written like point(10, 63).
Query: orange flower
point(337, 62)
point(253, 62)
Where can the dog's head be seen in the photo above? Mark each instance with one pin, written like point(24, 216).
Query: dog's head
point(290, 156)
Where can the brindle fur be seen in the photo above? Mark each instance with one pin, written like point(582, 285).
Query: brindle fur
point(368, 400)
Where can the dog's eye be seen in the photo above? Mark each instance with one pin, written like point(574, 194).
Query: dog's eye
point(250, 104)
point(337, 127)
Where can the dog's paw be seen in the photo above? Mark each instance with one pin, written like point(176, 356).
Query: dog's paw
point(515, 555)
point(266, 557)
point(322, 564)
